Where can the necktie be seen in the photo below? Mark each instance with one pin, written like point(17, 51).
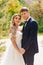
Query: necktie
point(24, 24)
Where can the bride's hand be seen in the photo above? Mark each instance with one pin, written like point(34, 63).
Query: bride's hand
point(22, 51)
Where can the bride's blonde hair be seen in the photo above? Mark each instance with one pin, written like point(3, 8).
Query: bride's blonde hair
point(12, 20)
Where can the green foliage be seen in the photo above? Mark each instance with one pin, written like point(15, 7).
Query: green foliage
point(2, 46)
point(7, 9)
point(41, 25)
point(2, 49)
point(10, 7)
point(23, 3)
point(1, 14)
point(36, 10)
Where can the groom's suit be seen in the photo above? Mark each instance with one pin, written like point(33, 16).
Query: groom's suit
point(29, 41)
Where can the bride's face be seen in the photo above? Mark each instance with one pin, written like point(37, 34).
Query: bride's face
point(17, 20)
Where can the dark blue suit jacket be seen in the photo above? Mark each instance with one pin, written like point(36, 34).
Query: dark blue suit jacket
point(29, 40)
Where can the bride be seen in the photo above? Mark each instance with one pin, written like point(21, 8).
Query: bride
point(14, 53)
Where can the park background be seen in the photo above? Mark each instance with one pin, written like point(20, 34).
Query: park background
point(10, 7)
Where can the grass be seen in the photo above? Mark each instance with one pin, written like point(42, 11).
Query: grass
point(2, 47)
point(40, 34)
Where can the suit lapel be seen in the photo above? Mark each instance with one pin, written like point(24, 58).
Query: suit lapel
point(27, 22)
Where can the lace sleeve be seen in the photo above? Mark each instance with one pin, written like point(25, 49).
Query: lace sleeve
point(12, 31)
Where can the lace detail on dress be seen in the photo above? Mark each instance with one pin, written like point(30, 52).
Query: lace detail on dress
point(12, 31)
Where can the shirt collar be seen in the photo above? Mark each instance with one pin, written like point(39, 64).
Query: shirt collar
point(28, 18)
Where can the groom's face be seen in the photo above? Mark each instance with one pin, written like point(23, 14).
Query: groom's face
point(25, 15)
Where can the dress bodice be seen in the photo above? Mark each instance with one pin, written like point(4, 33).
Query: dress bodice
point(17, 34)
point(18, 37)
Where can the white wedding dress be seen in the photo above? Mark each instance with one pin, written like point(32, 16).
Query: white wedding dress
point(12, 56)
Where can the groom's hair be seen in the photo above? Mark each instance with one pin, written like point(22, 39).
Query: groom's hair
point(24, 9)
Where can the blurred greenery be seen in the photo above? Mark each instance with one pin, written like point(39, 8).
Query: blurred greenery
point(10, 7)
point(7, 9)
point(2, 47)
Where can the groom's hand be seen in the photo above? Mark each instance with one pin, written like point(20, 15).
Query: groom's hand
point(22, 51)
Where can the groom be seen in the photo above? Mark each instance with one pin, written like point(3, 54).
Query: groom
point(29, 37)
